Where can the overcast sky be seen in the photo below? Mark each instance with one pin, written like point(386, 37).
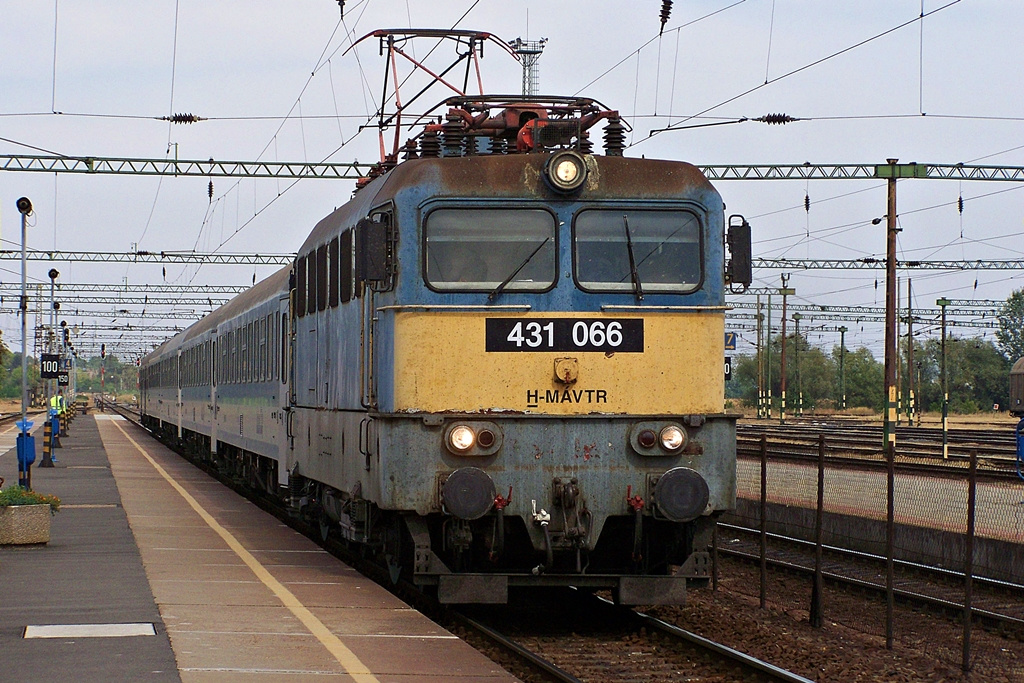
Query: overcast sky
point(273, 81)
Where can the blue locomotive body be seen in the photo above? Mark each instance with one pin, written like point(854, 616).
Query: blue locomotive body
point(493, 370)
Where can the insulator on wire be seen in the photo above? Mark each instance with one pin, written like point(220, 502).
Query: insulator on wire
point(776, 119)
point(666, 11)
point(209, 191)
point(960, 203)
point(182, 118)
point(807, 203)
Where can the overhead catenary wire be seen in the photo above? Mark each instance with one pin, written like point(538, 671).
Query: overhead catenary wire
point(805, 67)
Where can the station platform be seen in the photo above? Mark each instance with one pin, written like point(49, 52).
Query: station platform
point(154, 571)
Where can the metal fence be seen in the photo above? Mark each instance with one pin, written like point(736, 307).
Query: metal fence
point(967, 521)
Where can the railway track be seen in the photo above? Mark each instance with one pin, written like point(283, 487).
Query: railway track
point(714, 661)
point(861, 449)
point(590, 638)
point(996, 605)
point(14, 417)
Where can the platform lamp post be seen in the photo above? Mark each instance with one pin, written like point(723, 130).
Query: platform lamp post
point(842, 367)
point(942, 303)
point(51, 338)
point(26, 445)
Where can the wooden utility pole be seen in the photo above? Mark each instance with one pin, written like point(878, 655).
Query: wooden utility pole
point(890, 396)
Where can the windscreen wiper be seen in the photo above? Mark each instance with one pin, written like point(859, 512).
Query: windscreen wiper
point(504, 283)
point(638, 289)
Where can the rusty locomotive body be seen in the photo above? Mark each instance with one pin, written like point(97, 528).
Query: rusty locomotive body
point(499, 364)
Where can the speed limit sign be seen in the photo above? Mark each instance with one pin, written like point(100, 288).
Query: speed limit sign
point(49, 365)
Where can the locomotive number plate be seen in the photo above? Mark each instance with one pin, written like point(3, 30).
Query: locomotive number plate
point(607, 335)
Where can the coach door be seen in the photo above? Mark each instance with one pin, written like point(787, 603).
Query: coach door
point(213, 395)
point(177, 382)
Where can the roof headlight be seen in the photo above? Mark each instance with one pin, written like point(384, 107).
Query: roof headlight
point(672, 438)
point(461, 438)
point(566, 170)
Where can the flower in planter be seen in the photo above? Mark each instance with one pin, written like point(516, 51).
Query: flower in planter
point(16, 495)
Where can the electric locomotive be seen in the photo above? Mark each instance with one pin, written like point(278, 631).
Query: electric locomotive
point(500, 364)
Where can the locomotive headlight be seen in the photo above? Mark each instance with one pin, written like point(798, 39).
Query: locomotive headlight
point(472, 438)
point(461, 438)
point(672, 438)
point(565, 170)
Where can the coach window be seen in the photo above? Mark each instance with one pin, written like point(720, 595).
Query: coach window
point(345, 266)
point(264, 370)
point(284, 348)
point(250, 354)
point(625, 250)
point(334, 268)
point(300, 286)
point(478, 249)
point(311, 276)
point(321, 278)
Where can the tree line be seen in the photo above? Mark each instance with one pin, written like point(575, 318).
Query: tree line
point(118, 377)
point(977, 370)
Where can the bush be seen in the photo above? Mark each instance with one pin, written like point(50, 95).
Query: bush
point(16, 495)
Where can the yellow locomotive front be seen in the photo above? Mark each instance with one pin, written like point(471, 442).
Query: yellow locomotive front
point(548, 382)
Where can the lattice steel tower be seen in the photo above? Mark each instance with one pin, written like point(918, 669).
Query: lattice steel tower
point(529, 53)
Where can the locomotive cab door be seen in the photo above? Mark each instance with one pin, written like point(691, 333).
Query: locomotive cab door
point(305, 356)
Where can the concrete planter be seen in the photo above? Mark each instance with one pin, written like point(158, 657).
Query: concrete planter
point(21, 524)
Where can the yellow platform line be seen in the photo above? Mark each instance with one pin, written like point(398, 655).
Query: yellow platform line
point(346, 658)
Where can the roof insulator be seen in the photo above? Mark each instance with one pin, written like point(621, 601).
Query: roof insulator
point(775, 119)
point(666, 10)
point(182, 118)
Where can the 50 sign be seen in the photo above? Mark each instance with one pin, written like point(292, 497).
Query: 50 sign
point(625, 335)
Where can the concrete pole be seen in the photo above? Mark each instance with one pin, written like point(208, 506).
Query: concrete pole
point(782, 377)
point(768, 360)
point(942, 303)
point(911, 408)
point(842, 368)
point(760, 360)
point(799, 379)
